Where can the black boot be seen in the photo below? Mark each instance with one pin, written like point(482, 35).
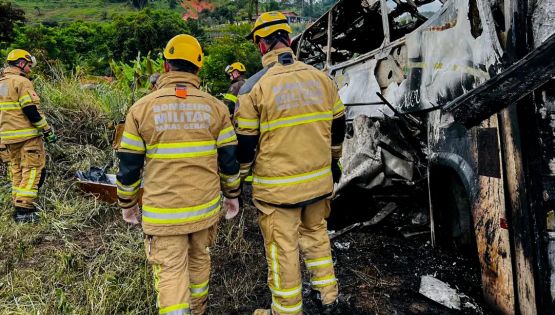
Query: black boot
point(338, 307)
point(25, 215)
point(331, 309)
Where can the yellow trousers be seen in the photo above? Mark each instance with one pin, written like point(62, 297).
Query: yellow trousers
point(181, 267)
point(287, 232)
point(27, 161)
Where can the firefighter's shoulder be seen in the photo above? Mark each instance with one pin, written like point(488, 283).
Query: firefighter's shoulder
point(20, 80)
point(251, 82)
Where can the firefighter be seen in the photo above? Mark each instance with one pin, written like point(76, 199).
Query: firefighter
point(180, 145)
point(21, 126)
point(291, 115)
point(236, 72)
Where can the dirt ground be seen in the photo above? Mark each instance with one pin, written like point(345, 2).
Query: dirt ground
point(378, 268)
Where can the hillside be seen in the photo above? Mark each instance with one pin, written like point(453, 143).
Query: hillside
point(58, 11)
point(71, 10)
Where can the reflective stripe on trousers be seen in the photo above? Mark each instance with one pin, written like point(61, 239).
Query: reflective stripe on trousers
point(19, 192)
point(323, 282)
point(319, 262)
point(286, 293)
point(294, 309)
point(157, 215)
point(178, 309)
point(275, 264)
point(199, 290)
point(28, 190)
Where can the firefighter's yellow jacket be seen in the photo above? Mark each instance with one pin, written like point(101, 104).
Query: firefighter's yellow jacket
point(288, 114)
point(20, 116)
point(179, 143)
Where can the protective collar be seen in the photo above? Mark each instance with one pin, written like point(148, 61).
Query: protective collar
point(13, 70)
point(272, 56)
point(173, 78)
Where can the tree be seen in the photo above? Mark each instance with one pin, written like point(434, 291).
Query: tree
point(90, 45)
point(10, 17)
point(147, 31)
point(224, 51)
point(138, 4)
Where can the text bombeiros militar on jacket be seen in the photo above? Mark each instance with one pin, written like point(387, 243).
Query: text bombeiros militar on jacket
point(181, 116)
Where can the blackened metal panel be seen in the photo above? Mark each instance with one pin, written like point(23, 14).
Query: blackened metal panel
point(488, 153)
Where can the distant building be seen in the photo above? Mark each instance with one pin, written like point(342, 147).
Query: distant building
point(292, 17)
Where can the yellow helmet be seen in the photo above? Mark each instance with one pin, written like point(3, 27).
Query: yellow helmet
point(17, 54)
point(269, 23)
point(184, 47)
point(235, 66)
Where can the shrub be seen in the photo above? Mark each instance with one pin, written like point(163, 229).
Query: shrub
point(91, 45)
point(222, 51)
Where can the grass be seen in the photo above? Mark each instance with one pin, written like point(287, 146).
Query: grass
point(82, 258)
point(71, 10)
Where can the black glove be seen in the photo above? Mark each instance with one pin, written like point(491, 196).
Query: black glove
point(49, 136)
point(336, 170)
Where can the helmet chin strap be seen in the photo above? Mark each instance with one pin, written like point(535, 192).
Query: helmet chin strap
point(264, 49)
point(22, 68)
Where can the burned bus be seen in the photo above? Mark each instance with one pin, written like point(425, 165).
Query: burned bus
point(457, 95)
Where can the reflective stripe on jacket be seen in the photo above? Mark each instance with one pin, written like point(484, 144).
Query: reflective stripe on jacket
point(17, 92)
point(230, 98)
point(290, 106)
point(182, 139)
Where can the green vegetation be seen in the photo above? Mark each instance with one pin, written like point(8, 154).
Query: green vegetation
point(82, 258)
point(59, 11)
point(94, 47)
point(10, 16)
point(222, 51)
point(91, 45)
point(92, 36)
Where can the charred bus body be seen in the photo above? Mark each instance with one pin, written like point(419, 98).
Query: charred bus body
point(456, 94)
